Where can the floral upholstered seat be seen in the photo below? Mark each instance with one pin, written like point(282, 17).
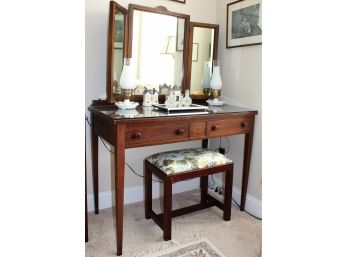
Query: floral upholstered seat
point(178, 161)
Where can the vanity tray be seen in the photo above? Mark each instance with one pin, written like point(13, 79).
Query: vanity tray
point(184, 110)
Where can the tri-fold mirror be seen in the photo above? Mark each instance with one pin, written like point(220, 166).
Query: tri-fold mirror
point(203, 51)
point(166, 50)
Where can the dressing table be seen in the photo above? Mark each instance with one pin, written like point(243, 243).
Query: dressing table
point(147, 126)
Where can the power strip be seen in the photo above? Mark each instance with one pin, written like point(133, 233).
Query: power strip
point(218, 196)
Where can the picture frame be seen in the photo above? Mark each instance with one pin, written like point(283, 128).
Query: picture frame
point(195, 47)
point(119, 31)
point(179, 1)
point(244, 23)
point(180, 34)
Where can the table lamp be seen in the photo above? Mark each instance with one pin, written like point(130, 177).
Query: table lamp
point(127, 85)
point(216, 82)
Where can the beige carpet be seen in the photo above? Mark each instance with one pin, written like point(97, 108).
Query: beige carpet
point(240, 237)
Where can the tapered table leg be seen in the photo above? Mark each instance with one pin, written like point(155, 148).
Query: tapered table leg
point(119, 183)
point(148, 190)
point(248, 143)
point(94, 148)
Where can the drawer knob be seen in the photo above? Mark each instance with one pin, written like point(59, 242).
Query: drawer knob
point(243, 124)
point(179, 132)
point(136, 135)
point(215, 127)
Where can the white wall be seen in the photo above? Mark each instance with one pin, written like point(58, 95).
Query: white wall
point(96, 42)
point(242, 81)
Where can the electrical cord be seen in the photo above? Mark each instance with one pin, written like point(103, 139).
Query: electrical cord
point(212, 185)
point(107, 148)
point(228, 143)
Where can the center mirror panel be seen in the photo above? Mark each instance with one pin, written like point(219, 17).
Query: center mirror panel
point(157, 49)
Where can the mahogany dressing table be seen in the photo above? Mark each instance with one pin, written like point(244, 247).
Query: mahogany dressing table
point(146, 127)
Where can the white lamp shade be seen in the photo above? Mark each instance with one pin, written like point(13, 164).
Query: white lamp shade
point(127, 77)
point(206, 76)
point(216, 82)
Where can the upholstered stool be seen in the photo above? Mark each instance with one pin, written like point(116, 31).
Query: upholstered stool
point(174, 166)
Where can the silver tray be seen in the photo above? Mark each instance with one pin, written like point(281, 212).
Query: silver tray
point(191, 109)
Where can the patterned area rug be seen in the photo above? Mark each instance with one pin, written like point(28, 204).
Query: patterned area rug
point(200, 248)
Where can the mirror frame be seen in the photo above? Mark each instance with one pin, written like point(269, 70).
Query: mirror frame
point(160, 10)
point(127, 51)
point(113, 9)
point(215, 27)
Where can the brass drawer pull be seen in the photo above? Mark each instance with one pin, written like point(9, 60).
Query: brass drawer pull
point(215, 127)
point(244, 124)
point(136, 135)
point(179, 132)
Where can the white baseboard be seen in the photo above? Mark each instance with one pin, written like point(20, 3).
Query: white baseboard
point(252, 205)
point(136, 194)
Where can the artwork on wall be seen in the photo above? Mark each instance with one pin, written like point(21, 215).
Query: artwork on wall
point(244, 23)
point(179, 1)
point(119, 31)
point(195, 52)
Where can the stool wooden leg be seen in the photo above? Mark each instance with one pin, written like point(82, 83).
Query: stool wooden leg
point(204, 189)
point(228, 194)
point(167, 210)
point(148, 191)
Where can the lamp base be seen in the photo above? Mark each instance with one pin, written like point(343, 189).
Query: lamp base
point(215, 93)
point(126, 93)
point(127, 105)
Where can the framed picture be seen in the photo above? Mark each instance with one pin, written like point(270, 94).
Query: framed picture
point(179, 1)
point(119, 31)
point(244, 23)
point(195, 52)
point(180, 34)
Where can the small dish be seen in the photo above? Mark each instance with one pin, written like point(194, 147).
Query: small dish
point(215, 102)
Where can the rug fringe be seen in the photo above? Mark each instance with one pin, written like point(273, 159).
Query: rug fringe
point(163, 247)
point(190, 239)
point(171, 245)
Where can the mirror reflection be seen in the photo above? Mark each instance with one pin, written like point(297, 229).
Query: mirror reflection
point(202, 60)
point(119, 36)
point(157, 52)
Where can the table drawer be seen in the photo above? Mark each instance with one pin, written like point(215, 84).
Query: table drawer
point(156, 133)
point(222, 127)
